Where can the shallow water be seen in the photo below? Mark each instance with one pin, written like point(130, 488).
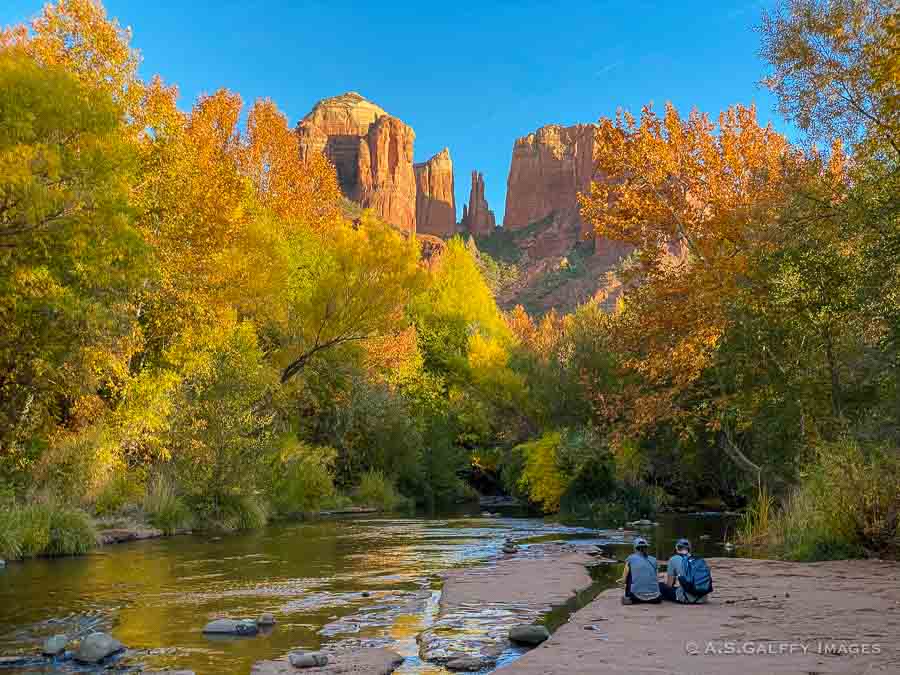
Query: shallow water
point(156, 596)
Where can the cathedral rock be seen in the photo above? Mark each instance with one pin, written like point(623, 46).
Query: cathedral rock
point(435, 201)
point(372, 153)
point(477, 217)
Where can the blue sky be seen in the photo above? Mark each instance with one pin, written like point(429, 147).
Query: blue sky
point(470, 76)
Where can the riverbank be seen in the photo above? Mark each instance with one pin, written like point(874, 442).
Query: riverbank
point(780, 617)
point(480, 604)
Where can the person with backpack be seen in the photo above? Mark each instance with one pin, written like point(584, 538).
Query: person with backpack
point(641, 584)
point(688, 579)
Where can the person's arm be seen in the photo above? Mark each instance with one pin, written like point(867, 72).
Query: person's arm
point(670, 580)
point(624, 575)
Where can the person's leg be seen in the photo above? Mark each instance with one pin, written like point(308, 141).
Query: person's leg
point(628, 598)
point(667, 592)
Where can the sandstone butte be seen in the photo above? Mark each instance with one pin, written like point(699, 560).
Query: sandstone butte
point(549, 168)
point(477, 216)
point(435, 201)
point(371, 151)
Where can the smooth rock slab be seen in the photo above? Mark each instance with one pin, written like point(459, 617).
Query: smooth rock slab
point(367, 660)
point(529, 634)
point(54, 646)
point(96, 647)
point(231, 627)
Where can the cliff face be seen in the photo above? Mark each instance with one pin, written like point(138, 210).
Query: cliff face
point(372, 153)
point(435, 201)
point(560, 262)
point(477, 217)
point(549, 168)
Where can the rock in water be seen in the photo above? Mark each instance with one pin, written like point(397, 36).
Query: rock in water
point(372, 153)
point(56, 645)
point(308, 659)
point(509, 549)
point(266, 620)
point(435, 201)
point(529, 634)
point(231, 627)
point(471, 663)
point(96, 647)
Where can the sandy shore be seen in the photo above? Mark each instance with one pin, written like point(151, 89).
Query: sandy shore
point(765, 617)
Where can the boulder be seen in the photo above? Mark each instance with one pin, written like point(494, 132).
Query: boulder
point(266, 619)
point(510, 548)
point(529, 634)
point(231, 627)
point(96, 647)
point(307, 659)
point(435, 199)
point(54, 646)
point(372, 153)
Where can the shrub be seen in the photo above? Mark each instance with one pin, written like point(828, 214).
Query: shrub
point(164, 508)
point(847, 505)
point(301, 478)
point(377, 490)
point(237, 512)
point(71, 532)
point(124, 489)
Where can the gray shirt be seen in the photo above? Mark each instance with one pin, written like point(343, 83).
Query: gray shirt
point(644, 584)
point(676, 567)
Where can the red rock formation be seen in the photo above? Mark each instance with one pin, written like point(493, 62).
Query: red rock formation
point(549, 168)
point(371, 151)
point(477, 217)
point(435, 201)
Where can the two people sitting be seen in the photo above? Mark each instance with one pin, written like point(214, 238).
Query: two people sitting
point(688, 580)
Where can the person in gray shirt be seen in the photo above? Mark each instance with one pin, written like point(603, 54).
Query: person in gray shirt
point(669, 589)
point(639, 575)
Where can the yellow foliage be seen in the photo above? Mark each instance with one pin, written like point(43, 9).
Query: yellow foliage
point(542, 478)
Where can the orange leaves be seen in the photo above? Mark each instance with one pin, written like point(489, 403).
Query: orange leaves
point(291, 188)
point(695, 199)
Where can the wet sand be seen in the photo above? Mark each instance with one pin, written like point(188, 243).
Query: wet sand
point(764, 617)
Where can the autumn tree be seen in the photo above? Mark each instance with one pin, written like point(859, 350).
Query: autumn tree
point(690, 196)
point(302, 190)
point(71, 258)
point(836, 68)
point(348, 286)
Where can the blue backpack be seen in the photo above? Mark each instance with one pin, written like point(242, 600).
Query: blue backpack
point(695, 577)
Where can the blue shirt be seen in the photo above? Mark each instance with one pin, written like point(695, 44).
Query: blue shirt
point(644, 584)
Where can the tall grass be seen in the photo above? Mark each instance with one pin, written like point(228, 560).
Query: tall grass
point(847, 505)
point(45, 529)
point(164, 508)
point(756, 525)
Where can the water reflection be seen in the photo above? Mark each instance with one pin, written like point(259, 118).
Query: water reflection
point(364, 581)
